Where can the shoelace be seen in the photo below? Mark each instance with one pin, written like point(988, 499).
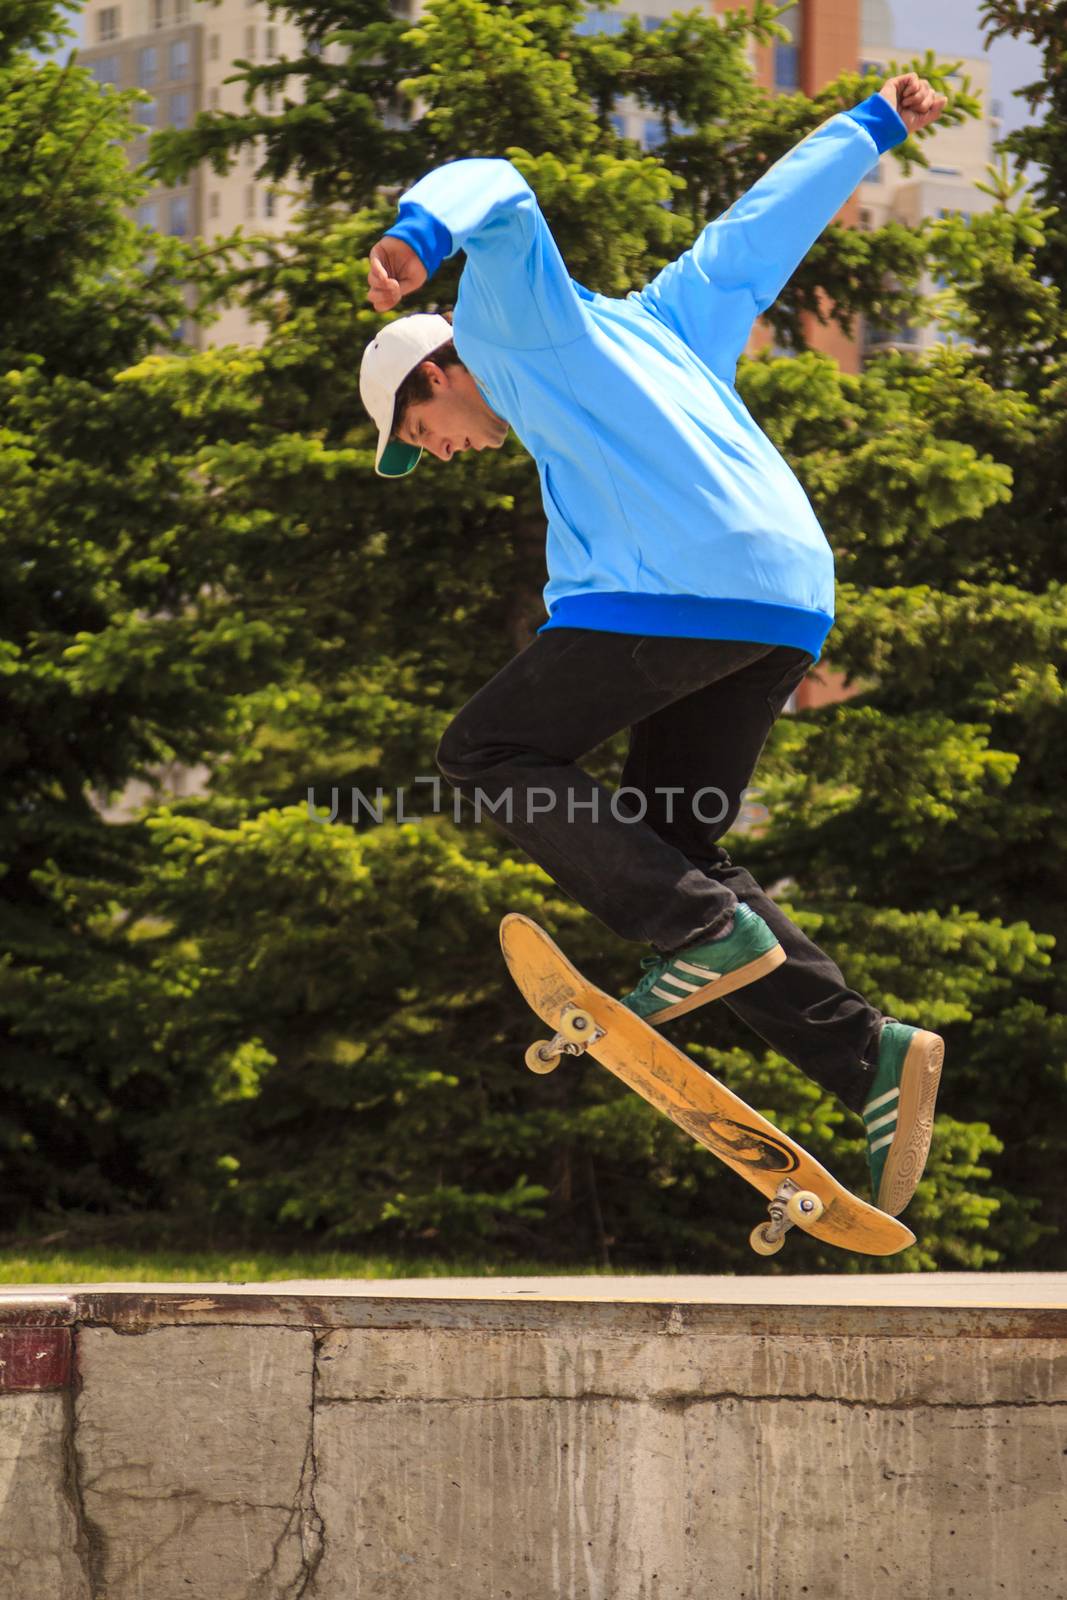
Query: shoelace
point(653, 965)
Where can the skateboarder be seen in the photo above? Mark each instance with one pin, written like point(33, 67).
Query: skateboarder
point(690, 584)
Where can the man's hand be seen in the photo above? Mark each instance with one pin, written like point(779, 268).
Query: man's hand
point(395, 270)
point(914, 100)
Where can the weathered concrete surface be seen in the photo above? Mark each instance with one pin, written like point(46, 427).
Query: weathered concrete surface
point(748, 1439)
point(194, 1440)
point(1011, 1290)
point(41, 1548)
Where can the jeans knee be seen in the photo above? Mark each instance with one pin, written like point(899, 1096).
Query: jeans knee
point(468, 754)
point(453, 753)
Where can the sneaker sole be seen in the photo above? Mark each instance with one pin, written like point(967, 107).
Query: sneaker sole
point(920, 1077)
point(724, 985)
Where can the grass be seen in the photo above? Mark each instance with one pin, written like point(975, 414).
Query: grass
point(35, 1264)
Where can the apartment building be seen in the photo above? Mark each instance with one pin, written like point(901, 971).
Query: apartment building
point(958, 159)
point(181, 52)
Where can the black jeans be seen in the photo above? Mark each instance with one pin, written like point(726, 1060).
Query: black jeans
point(645, 860)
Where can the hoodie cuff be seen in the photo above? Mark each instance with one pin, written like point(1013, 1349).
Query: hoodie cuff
point(419, 228)
point(885, 126)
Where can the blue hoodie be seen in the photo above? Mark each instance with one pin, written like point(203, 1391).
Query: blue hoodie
point(669, 511)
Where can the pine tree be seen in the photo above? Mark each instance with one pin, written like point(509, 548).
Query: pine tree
point(251, 965)
point(113, 654)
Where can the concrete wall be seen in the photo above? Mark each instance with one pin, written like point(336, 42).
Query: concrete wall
point(226, 1446)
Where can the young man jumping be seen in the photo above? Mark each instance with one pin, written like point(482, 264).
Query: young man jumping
point(690, 584)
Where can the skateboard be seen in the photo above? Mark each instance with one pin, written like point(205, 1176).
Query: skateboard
point(801, 1193)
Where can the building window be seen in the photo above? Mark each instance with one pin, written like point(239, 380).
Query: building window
point(599, 22)
point(179, 59)
point(876, 337)
point(148, 214)
point(619, 124)
point(180, 109)
point(271, 43)
point(181, 12)
point(269, 203)
point(250, 200)
point(652, 23)
point(146, 113)
point(271, 94)
point(159, 13)
point(250, 43)
point(147, 67)
point(213, 47)
point(213, 99)
point(652, 133)
point(213, 204)
point(105, 69)
point(787, 56)
point(179, 216)
point(107, 24)
point(786, 66)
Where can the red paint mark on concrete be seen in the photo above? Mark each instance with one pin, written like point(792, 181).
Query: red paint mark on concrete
point(34, 1358)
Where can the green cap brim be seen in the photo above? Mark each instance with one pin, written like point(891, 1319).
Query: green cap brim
point(398, 459)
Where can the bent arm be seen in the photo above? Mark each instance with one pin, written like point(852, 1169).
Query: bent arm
point(763, 237)
point(740, 262)
point(515, 289)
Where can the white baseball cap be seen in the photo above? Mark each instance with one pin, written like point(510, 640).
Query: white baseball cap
point(387, 360)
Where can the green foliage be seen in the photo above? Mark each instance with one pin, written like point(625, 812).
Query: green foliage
point(230, 1012)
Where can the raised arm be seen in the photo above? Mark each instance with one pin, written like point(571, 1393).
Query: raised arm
point(515, 290)
point(738, 265)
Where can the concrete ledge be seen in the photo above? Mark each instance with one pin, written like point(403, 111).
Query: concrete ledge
point(573, 1439)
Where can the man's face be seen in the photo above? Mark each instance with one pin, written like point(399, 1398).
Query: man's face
point(455, 419)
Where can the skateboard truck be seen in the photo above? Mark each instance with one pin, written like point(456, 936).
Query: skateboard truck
point(790, 1207)
point(581, 1019)
point(576, 1032)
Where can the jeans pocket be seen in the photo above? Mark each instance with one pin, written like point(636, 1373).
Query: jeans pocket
point(677, 665)
point(656, 661)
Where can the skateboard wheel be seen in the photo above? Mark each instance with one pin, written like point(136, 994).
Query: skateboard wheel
point(804, 1208)
point(541, 1057)
point(577, 1025)
point(761, 1244)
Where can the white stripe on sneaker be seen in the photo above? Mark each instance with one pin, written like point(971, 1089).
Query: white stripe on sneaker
point(880, 1144)
point(883, 1100)
point(680, 983)
point(664, 994)
point(697, 972)
point(882, 1122)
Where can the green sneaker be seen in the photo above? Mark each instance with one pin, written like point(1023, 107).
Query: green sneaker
point(899, 1114)
point(701, 972)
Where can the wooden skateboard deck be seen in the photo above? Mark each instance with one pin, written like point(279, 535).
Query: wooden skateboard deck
point(709, 1112)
